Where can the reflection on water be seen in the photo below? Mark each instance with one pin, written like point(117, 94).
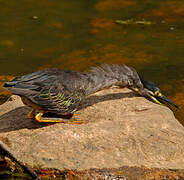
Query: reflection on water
point(79, 34)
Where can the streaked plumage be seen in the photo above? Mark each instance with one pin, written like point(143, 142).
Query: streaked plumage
point(62, 91)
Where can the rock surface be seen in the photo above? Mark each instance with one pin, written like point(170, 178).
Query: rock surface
point(120, 129)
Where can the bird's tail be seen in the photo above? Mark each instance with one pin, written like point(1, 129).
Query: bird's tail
point(9, 84)
point(12, 83)
point(17, 87)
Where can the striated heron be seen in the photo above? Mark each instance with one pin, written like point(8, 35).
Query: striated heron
point(61, 92)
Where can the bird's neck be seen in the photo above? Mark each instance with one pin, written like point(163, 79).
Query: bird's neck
point(109, 75)
point(98, 83)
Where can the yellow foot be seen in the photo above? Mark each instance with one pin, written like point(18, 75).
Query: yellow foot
point(76, 114)
point(74, 121)
point(31, 114)
point(39, 117)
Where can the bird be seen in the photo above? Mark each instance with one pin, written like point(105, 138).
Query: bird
point(62, 91)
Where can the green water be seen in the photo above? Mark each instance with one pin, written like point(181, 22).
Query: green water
point(79, 34)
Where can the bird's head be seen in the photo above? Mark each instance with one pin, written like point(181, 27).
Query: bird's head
point(152, 92)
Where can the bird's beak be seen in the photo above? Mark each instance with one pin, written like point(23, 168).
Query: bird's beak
point(161, 99)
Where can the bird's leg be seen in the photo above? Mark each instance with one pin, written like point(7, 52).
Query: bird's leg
point(31, 114)
point(39, 117)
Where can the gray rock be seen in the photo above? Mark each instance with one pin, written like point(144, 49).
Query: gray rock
point(120, 129)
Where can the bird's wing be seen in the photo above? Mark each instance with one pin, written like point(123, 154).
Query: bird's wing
point(56, 98)
point(54, 90)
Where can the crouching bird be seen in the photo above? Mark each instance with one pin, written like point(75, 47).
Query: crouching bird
point(61, 92)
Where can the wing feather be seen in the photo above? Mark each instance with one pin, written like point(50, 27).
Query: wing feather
point(58, 91)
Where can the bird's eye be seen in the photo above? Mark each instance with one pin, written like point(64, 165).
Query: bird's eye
point(157, 93)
